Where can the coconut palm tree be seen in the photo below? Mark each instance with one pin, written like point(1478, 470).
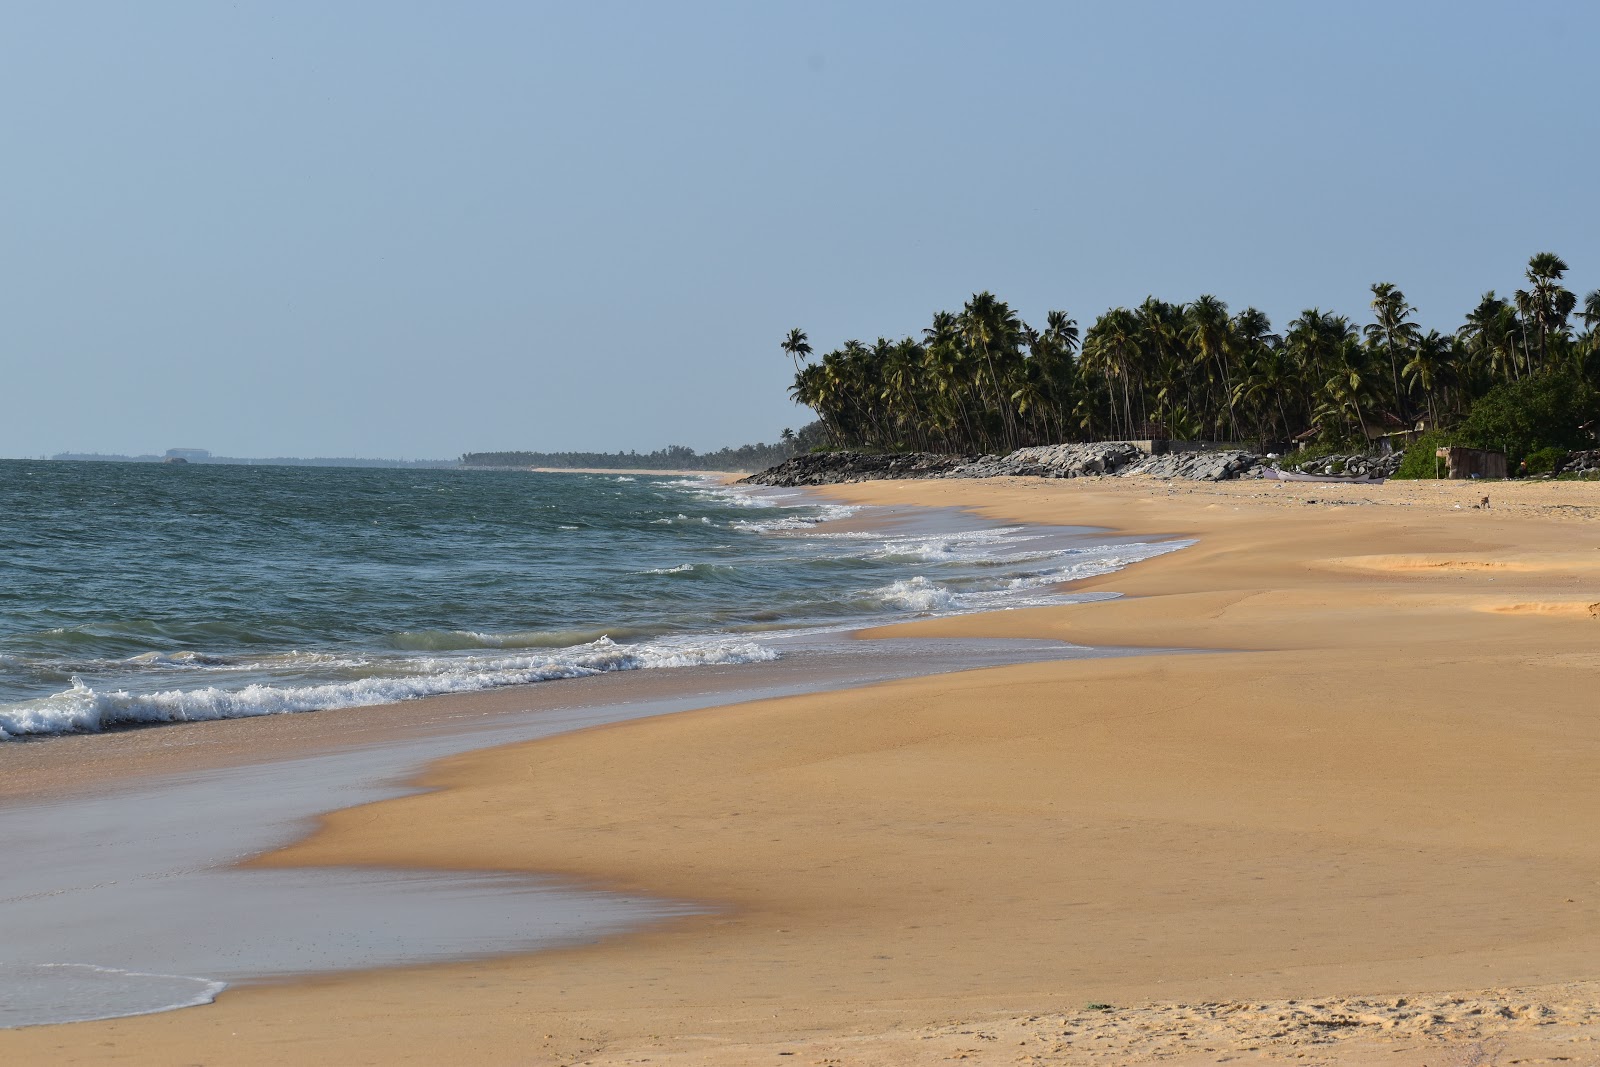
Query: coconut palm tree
point(1348, 389)
point(797, 347)
point(1210, 335)
point(1428, 366)
point(1492, 333)
point(1394, 333)
point(991, 332)
point(981, 379)
point(1111, 350)
point(1546, 305)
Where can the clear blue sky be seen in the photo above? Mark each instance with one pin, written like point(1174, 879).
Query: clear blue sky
point(408, 229)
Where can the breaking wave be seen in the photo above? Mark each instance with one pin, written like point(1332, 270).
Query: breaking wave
point(82, 709)
point(285, 592)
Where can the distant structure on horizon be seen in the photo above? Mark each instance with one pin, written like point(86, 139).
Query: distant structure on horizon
point(189, 455)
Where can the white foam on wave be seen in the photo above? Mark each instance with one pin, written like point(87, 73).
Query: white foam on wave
point(962, 547)
point(1033, 588)
point(820, 513)
point(802, 511)
point(922, 595)
point(82, 709)
point(40, 993)
point(917, 594)
point(733, 495)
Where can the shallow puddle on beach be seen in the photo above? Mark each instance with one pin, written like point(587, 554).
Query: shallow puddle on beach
point(129, 900)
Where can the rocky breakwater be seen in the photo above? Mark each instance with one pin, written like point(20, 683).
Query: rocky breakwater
point(1054, 461)
point(1584, 462)
point(1349, 466)
point(1196, 466)
point(1106, 458)
point(833, 468)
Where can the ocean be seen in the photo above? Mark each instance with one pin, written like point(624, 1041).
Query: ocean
point(138, 594)
point(147, 593)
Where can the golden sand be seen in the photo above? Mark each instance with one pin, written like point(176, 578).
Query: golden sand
point(1362, 827)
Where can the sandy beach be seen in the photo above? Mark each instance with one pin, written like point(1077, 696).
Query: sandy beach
point(1355, 822)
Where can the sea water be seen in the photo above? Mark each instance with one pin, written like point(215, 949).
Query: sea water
point(134, 594)
point(144, 593)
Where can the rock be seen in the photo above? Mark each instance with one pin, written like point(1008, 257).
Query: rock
point(833, 468)
point(1384, 466)
point(1195, 466)
point(1053, 461)
point(1100, 458)
point(1584, 462)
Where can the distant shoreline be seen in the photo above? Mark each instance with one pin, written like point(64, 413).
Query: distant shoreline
point(723, 475)
point(245, 461)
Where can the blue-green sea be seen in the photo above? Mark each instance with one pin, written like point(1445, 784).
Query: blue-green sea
point(138, 593)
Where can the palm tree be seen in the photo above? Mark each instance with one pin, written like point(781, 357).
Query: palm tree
point(991, 331)
point(1210, 332)
point(981, 379)
point(1266, 376)
point(1427, 366)
point(1111, 349)
point(1053, 352)
point(1315, 343)
point(1547, 304)
point(797, 347)
point(1393, 331)
point(1591, 310)
point(1589, 342)
point(1491, 332)
point(1347, 391)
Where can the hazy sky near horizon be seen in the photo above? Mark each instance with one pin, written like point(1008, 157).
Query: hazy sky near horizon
point(417, 229)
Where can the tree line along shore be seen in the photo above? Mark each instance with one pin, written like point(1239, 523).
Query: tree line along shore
point(672, 458)
point(1521, 375)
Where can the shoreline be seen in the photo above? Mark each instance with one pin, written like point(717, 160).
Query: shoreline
point(1243, 776)
point(722, 477)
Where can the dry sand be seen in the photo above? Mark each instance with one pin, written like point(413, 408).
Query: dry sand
point(1362, 829)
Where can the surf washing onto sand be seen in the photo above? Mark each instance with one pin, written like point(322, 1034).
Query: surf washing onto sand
point(142, 593)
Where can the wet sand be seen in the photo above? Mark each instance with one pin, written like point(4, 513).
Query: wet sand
point(1376, 799)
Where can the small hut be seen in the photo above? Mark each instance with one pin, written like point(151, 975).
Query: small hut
point(1472, 462)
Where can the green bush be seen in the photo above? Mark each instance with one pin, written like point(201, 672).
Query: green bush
point(1421, 459)
point(1546, 460)
point(1557, 409)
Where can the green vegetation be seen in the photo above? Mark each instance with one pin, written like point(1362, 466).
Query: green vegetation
point(1519, 374)
point(675, 457)
point(1546, 460)
point(1558, 409)
point(1422, 456)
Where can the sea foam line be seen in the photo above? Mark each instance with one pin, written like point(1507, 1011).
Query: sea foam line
point(37, 974)
point(82, 709)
